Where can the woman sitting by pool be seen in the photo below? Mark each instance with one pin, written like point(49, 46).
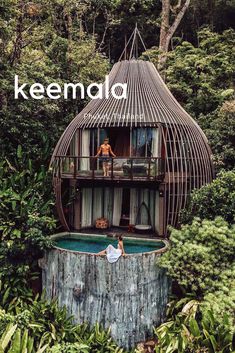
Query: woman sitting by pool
point(112, 253)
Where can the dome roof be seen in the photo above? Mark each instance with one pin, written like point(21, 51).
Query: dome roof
point(149, 103)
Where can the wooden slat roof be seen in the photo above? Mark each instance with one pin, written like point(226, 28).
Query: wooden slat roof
point(148, 100)
point(149, 103)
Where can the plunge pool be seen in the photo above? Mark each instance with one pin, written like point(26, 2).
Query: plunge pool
point(96, 243)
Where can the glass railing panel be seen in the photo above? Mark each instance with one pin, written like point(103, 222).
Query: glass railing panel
point(118, 168)
point(140, 168)
point(67, 165)
point(85, 166)
point(97, 166)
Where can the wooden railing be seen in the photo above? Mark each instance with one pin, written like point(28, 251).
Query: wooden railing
point(126, 168)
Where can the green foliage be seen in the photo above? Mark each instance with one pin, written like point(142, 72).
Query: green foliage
point(44, 320)
point(194, 330)
point(202, 77)
point(26, 220)
point(42, 323)
point(14, 341)
point(223, 299)
point(70, 348)
point(215, 199)
point(202, 261)
point(220, 130)
point(199, 255)
point(43, 43)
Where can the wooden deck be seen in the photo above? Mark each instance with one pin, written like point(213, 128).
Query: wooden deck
point(114, 177)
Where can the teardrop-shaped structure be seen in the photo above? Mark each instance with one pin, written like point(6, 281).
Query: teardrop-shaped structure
point(161, 155)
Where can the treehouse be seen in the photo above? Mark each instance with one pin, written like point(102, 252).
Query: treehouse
point(161, 155)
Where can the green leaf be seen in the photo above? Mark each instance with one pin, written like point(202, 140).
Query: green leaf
point(19, 151)
point(24, 341)
point(42, 349)
point(16, 343)
point(6, 338)
point(6, 295)
point(194, 328)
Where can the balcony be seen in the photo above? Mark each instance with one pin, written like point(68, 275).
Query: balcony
point(120, 168)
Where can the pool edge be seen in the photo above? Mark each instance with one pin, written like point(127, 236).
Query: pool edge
point(158, 251)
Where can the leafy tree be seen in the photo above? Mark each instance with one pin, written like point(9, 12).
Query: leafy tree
point(202, 77)
point(220, 130)
point(214, 199)
point(42, 43)
point(199, 255)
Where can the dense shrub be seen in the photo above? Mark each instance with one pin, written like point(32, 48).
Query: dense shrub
point(200, 254)
point(219, 128)
point(215, 199)
point(15, 340)
point(223, 299)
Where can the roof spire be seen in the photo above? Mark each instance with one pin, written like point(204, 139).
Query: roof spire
point(134, 48)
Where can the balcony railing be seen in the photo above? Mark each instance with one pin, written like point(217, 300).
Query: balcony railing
point(120, 168)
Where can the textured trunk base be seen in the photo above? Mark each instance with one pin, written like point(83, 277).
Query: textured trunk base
point(130, 296)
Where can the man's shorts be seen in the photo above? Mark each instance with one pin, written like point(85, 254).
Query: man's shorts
point(105, 158)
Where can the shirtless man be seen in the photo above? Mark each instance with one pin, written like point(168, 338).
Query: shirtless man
point(105, 151)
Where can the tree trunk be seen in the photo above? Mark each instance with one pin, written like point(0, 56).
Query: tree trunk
point(167, 31)
point(18, 41)
point(165, 24)
point(129, 296)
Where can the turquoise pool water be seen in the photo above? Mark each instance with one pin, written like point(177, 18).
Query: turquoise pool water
point(93, 244)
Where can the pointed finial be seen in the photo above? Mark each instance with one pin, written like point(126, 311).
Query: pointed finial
point(133, 40)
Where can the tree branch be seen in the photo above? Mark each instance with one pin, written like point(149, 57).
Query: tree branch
point(177, 20)
point(176, 7)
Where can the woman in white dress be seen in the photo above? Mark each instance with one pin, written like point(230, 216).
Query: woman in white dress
point(112, 253)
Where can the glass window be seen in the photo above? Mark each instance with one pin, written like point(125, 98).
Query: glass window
point(141, 142)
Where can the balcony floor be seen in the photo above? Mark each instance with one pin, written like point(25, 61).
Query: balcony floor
point(115, 177)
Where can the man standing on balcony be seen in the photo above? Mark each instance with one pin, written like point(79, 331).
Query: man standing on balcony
point(105, 151)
